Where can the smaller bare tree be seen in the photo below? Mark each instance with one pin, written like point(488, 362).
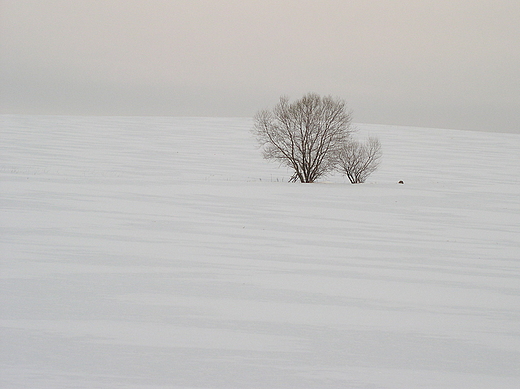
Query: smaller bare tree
point(358, 160)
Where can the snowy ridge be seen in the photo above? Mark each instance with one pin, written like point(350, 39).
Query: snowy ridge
point(148, 252)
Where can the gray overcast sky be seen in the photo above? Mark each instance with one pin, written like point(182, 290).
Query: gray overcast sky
point(438, 63)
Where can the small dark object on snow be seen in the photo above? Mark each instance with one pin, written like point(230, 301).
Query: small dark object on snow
point(401, 182)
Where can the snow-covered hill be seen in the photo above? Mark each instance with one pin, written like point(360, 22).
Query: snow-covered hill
point(165, 252)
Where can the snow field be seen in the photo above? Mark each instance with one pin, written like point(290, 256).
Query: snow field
point(164, 252)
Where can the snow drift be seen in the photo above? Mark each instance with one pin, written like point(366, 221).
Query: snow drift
point(164, 252)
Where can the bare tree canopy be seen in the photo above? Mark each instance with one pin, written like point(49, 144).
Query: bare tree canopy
point(305, 135)
point(358, 160)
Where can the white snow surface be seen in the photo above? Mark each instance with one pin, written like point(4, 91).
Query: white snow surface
point(149, 252)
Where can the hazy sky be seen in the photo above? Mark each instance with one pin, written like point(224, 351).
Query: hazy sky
point(438, 63)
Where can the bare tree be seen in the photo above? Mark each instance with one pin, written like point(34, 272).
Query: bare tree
point(305, 135)
point(358, 160)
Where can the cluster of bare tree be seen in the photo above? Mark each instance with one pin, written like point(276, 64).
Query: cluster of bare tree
point(359, 160)
point(313, 137)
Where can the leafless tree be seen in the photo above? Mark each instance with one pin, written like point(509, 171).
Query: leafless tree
point(358, 160)
point(305, 135)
